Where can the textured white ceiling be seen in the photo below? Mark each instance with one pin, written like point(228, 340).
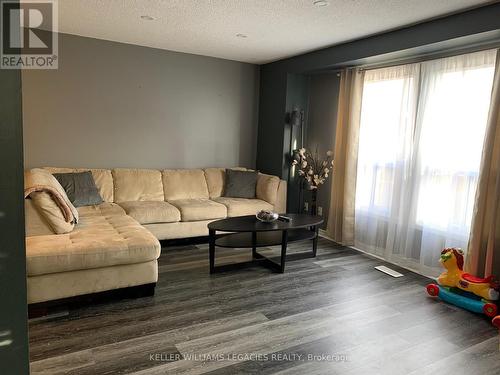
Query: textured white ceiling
point(275, 29)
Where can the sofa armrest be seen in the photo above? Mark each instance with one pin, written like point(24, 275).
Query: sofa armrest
point(280, 205)
point(267, 188)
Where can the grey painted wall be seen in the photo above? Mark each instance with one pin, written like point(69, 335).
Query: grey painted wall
point(119, 105)
point(321, 125)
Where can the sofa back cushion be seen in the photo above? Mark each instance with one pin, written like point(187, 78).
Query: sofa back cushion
point(102, 178)
point(137, 185)
point(216, 180)
point(184, 184)
point(267, 188)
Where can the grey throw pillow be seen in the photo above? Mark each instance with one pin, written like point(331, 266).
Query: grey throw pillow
point(80, 188)
point(240, 184)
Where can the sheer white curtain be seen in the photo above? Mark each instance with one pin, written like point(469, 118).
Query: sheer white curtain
point(421, 136)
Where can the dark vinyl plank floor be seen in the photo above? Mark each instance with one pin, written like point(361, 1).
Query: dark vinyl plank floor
point(333, 314)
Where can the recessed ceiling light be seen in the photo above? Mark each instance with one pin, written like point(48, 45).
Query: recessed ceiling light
point(321, 3)
point(241, 35)
point(147, 18)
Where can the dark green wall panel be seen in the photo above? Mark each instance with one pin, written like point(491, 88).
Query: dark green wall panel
point(13, 315)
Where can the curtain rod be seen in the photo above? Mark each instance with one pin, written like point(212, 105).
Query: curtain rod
point(418, 58)
point(428, 56)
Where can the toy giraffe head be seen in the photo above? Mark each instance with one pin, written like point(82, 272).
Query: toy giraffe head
point(452, 258)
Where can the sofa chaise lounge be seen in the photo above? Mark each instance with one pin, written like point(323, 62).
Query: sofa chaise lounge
point(115, 244)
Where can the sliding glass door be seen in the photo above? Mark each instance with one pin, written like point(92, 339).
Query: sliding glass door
point(421, 136)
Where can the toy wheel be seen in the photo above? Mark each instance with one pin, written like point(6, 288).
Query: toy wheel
point(490, 309)
point(496, 321)
point(433, 290)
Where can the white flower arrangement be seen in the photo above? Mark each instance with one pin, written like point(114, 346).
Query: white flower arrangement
point(311, 168)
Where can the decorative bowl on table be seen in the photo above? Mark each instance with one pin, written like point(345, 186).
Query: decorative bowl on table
point(266, 216)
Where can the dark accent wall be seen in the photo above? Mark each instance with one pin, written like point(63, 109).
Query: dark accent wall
point(297, 97)
point(13, 312)
point(272, 111)
point(474, 28)
point(321, 126)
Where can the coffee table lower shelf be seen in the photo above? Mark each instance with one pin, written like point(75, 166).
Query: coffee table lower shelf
point(263, 239)
point(255, 240)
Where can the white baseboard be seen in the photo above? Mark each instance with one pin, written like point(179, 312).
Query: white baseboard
point(322, 233)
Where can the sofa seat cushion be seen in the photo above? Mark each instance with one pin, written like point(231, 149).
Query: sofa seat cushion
point(149, 212)
point(243, 206)
point(199, 209)
point(103, 209)
point(97, 241)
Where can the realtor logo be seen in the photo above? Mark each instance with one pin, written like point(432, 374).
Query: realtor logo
point(29, 35)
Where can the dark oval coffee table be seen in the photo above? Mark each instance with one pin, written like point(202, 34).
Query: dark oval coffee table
point(248, 232)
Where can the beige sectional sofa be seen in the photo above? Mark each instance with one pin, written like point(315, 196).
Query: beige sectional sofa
point(115, 244)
